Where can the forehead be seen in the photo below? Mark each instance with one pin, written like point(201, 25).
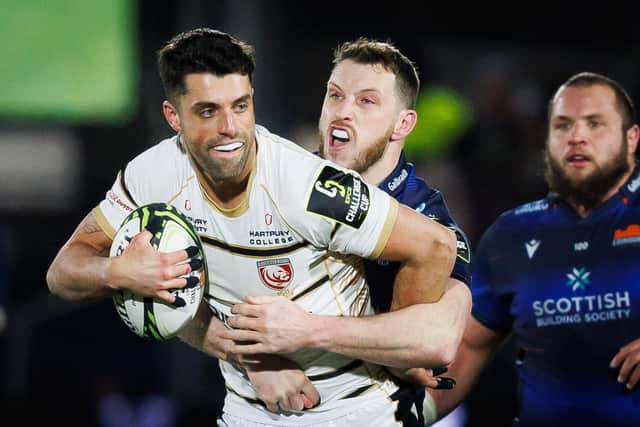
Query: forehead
point(219, 89)
point(580, 101)
point(353, 76)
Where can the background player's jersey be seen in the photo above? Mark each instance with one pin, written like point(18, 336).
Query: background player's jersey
point(413, 191)
point(570, 290)
point(287, 238)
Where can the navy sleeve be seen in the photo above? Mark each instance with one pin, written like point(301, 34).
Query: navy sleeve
point(489, 308)
point(436, 208)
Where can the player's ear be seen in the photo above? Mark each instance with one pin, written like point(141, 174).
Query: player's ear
point(404, 124)
point(633, 134)
point(171, 115)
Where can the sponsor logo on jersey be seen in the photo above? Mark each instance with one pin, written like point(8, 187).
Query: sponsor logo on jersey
point(341, 196)
point(395, 182)
point(532, 246)
point(187, 205)
point(199, 224)
point(626, 236)
point(539, 205)
point(634, 185)
point(268, 219)
point(270, 237)
point(117, 200)
point(576, 308)
point(580, 246)
point(462, 244)
point(275, 273)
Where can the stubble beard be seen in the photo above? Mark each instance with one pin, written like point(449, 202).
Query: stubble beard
point(364, 159)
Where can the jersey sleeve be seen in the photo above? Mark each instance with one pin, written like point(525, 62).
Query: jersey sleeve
point(341, 212)
point(489, 308)
point(436, 208)
point(153, 176)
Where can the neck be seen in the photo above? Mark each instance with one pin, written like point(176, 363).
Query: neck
point(380, 170)
point(226, 194)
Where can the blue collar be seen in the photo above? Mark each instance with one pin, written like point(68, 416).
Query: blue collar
point(396, 181)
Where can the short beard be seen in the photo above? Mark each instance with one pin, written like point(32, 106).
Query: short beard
point(590, 191)
point(365, 159)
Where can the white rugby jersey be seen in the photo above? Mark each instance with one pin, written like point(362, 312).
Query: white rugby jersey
point(290, 236)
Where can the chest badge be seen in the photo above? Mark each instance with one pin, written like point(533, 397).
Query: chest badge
point(276, 273)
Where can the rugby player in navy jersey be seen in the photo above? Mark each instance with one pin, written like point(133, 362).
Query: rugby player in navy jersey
point(562, 275)
point(368, 112)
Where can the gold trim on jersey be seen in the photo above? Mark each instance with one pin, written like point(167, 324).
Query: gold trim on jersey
point(103, 223)
point(386, 230)
point(243, 206)
point(125, 189)
point(184, 185)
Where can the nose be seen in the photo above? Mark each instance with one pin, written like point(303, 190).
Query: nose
point(227, 124)
point(344, 110)
point(578, 133)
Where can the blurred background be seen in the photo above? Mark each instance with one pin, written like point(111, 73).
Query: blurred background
point(81, 96)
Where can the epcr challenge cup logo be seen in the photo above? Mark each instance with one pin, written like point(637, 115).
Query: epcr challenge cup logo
point(276, 274)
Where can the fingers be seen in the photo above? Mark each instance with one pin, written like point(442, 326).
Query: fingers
point(629, 373)
point(445, 383)
point(246, 309)
point(310, 395)
point(263, 299)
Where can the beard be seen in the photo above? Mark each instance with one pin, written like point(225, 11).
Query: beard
point(363, 159)
point(589, 191)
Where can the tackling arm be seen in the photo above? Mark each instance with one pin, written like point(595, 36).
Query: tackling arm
point(419, 334)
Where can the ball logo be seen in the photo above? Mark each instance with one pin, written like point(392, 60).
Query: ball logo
point(275, 273)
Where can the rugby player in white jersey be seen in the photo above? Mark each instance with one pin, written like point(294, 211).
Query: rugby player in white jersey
point(275, 220)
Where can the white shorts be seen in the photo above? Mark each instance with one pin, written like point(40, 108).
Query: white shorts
point(375, 413)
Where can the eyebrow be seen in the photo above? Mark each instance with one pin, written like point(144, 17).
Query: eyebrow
point(587, 117)
point(358, 92)
point(208, 104)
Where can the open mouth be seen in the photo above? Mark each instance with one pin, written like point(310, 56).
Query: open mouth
point(578, 159)
point(338, 137)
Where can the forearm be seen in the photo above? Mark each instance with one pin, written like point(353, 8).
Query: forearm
point(423, 279)
point(478, 345)
point(79, 272)
point(466, 371)
point(203, 334)
point(422, 335)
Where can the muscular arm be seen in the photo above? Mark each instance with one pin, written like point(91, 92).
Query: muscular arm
point(422, 335)
point(83, 270)
point(478, 344)
point(425, 335)
point(427, 252)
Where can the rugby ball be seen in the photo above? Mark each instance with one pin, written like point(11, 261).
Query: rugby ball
point(148, 317)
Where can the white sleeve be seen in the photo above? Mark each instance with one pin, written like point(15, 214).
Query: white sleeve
point(153, 176)
point(342, 212)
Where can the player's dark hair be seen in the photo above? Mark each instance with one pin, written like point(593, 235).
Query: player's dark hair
point(202, 50)
point(624, 103)
point(368, 51)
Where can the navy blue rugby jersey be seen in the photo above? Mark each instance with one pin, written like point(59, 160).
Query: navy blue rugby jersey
point(569, 290)
point(413, 191)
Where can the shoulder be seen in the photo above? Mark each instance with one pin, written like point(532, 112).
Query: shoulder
point(156, 173)
point(275, 146)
